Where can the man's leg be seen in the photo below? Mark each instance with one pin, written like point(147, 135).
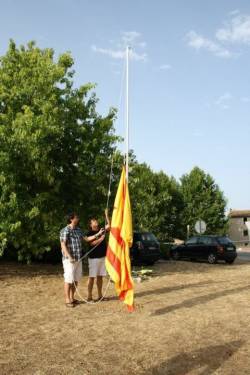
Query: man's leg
point(72, 290)
point(99, 286)
point(67, 292)
point(90, 287)
point(68, 276)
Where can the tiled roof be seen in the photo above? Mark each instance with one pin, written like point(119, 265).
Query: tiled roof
point(239, 213)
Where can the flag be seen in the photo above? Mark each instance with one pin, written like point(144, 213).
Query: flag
point(120, 240)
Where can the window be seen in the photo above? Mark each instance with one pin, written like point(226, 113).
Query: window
point(245, 232)
point(224, 241)
point(207, 241)
point(148, 237)
point(192, 241)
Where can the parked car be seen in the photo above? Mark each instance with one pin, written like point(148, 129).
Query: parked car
point(210, 248)
point(145, 248)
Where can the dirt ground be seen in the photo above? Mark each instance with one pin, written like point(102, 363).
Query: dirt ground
point(191, 318)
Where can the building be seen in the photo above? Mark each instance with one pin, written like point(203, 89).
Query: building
point(238, 229)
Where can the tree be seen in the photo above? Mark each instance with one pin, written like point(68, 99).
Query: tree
point(203, 200)
point(53, 148)
point(156, 201)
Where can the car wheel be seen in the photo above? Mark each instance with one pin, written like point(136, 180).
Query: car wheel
point(175, 255)
point(212, 258)
point(230, 261)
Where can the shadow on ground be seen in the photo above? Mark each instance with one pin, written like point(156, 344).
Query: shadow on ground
point(173, 288)
point(207, 360)
point(199, 300)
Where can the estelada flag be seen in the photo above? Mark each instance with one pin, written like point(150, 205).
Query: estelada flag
point(120, 240)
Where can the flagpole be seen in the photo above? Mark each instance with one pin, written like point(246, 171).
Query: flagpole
point(127, 109)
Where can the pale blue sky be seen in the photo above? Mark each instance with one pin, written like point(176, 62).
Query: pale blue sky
point(190, 75)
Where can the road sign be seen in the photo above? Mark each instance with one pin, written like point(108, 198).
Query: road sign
point(200, 226)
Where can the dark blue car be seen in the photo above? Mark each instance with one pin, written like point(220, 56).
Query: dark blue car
point(145, 249)
point(210, 248)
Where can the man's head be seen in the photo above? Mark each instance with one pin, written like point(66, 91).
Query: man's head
point(94, 224)
point(73, 219)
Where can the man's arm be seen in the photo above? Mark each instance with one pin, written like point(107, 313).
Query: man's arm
point(94, 237)
point(107, 227)
point(97, 242)
point(66, 252)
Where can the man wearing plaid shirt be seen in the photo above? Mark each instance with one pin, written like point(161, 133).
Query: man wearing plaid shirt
point(71, 238)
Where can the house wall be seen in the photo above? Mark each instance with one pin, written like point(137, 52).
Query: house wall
point(238, 230)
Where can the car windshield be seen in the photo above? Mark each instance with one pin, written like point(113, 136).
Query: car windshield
point(224, 241)
point(148, 237)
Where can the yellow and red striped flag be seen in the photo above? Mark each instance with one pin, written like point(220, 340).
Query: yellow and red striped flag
point(120, 240)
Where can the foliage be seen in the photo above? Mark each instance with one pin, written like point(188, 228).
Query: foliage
point(53, 148)
point(203, 200)
point(157, 202)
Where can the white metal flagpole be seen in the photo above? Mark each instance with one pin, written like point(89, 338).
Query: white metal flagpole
point(127, 109)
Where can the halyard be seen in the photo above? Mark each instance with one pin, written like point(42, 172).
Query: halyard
point(191, 318)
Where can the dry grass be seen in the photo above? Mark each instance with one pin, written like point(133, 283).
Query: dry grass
point(193, 318)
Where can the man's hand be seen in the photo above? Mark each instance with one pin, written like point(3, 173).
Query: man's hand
point(107, 226)
point(101, 231)
point(66, 252)
point(99, 234)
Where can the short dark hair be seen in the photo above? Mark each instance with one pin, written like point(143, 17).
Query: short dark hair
point(71, 216)
point(90, 220)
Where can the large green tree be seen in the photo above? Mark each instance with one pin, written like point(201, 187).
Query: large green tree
point(156, 201)
point(54, 148)
point(204, 200)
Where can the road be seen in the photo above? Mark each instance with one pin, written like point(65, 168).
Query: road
point(244, 255)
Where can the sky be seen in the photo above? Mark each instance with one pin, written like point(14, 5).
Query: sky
point(189, 75)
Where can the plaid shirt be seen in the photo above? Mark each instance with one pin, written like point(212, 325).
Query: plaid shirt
point(73, 240)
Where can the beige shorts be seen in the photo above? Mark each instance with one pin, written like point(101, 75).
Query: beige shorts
point(97, 267)
point(72, 271)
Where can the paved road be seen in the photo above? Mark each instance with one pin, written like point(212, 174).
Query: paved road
point(244, 255)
